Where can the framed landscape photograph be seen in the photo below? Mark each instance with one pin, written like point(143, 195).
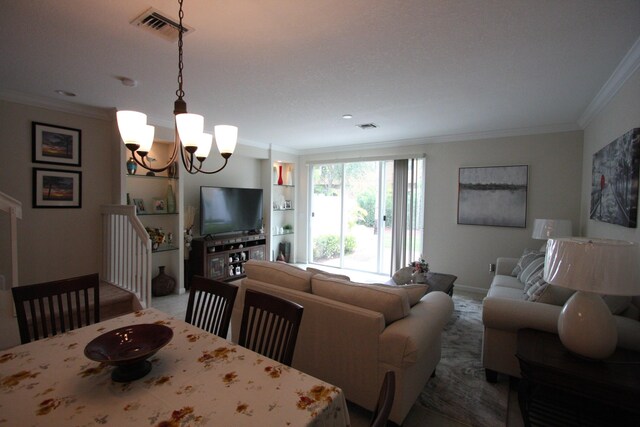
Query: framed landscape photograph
point(57, 188)
point(614, 181)
point(55, 144)
point(159, 205)
point(493, 195)
point(139, 204)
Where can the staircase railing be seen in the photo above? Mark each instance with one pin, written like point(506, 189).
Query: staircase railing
point(14, 208)
point(127, 252)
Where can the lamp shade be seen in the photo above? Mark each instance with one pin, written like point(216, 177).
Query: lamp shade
point(601, 266)
point(544, 229)
point(204, 146)
point(146, 138)
point(130, 125)
point(226, 138)
point(190, 128)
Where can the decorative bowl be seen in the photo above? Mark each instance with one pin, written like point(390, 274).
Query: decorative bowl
point(128, 349)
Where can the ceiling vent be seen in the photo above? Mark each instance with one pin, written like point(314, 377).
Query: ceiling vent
point(156, 22)
point(366, 126)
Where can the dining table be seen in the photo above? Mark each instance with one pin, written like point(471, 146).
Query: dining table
point(196, 379)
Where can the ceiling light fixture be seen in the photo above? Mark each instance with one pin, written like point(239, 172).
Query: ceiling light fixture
point(347, 116)
point(138, 136)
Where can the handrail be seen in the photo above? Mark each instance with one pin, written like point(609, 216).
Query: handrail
point(8, 203)
point(14, 208)
point(127, 251)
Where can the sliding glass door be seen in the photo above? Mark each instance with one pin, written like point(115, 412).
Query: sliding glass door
point(352, 207)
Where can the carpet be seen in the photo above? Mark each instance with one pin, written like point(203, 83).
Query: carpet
point(459, 390)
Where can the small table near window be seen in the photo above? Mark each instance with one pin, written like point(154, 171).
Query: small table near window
point(441, 282)
point(559, 388)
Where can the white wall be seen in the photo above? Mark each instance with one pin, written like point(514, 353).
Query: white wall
point(620, 115)
point(555, 164)
point(52, 243)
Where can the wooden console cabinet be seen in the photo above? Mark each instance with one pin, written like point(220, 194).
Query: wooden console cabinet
point(223, 258)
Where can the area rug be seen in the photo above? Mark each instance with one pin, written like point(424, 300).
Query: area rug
point(459, 390)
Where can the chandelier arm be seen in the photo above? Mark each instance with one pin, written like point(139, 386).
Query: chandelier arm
point(142, 162)
point(198, 169)
point(188, 164)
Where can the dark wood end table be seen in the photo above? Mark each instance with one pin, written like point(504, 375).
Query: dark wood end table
point(441, 282)
point(559, 388)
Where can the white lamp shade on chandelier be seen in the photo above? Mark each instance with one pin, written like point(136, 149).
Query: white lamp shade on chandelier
point(131, 125)
point(591, 267)
point(190, 128)
point(226, 138)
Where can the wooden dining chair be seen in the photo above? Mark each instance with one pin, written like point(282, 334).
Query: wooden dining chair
point(270, 325)
point(55, 307)
point(385, 400)
point(210, 305)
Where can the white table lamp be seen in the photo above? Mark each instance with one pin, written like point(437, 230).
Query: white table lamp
point(591, 267)
point(544, 229)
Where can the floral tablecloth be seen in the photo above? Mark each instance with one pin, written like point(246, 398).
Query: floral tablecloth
point(196, 379)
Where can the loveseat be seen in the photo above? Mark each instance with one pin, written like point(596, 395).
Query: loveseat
point(351, 334)
point(520, 298)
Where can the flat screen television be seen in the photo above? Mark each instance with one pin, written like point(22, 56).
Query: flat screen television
point(228, 210)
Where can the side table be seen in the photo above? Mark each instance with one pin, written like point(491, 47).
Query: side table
point(559, 388)
point(441, 282)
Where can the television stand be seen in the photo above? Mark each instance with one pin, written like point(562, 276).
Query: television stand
point(223, 258)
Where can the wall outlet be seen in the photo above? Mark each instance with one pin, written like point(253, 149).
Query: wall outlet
point(492, 268)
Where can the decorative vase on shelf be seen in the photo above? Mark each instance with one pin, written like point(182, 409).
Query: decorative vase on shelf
point(280, 181)
point(171, 200)
point(162, 284)
point(132, 166)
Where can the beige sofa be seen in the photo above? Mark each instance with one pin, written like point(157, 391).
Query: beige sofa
point(351, 334)
point(508, 308)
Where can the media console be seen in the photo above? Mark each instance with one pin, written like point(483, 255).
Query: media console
point(223, 258)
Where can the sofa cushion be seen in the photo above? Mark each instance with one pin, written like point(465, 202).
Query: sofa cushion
point(554, 295)
point(391, 301)
point(617, 304)
point(527, 256)
point(506, 292)
point(280, 274)
point(535, 291)
point(415, 291)
point(507, 282)
point(332, 275)
point(534, 267)
point(632, 312)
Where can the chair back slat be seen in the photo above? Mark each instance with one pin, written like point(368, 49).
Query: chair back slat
point(210, 305)
point(56, 307)
point(385, 400)
point(270, 325)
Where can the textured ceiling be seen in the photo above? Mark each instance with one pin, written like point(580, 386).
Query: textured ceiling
point(285, 71)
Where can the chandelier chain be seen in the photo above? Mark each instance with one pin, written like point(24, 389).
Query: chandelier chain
point(180, 91)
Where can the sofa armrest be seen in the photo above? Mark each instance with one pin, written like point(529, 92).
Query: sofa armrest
point(406, 340)
point(510, 315)
point(505, 265)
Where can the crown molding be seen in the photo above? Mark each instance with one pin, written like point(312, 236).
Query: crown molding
point(625, 69)
point(57, 105)
point(505, 133)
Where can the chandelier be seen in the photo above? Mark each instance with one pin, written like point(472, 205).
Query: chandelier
point(137, 135)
